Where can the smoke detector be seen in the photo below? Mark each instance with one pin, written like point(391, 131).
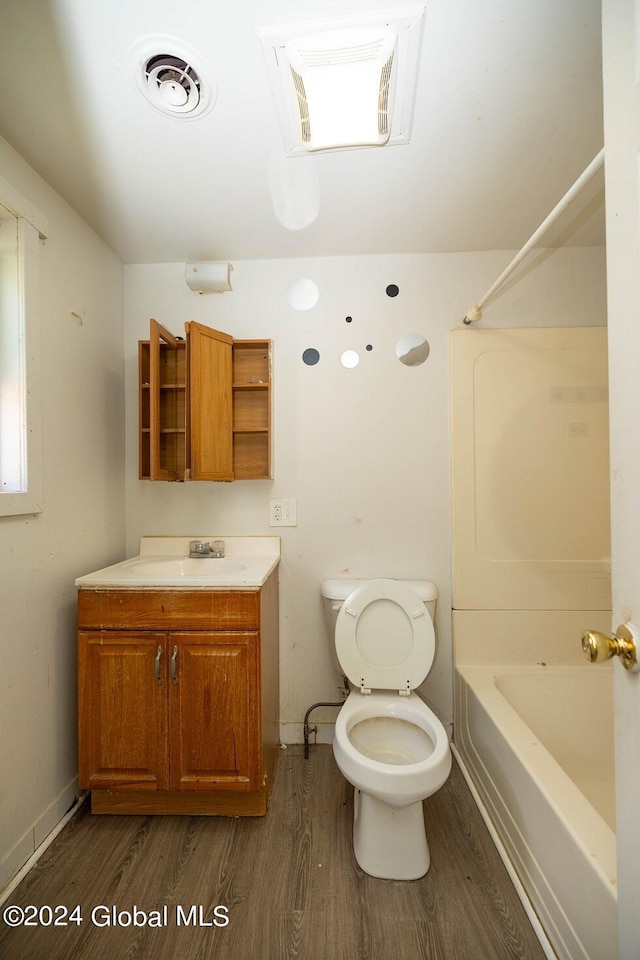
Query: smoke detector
point(170, 77)
point(344, 83)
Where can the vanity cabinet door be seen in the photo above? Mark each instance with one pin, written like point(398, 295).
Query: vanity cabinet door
point(215, 711)
point(122, 710)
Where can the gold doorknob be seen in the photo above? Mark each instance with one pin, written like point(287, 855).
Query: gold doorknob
point(598, 647)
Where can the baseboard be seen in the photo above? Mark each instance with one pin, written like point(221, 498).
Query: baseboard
point(36, 836)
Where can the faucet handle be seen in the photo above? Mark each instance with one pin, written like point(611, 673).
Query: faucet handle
point(217, 548)
point(199, 548)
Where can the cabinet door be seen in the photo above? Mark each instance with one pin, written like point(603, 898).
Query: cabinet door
point(210, 403)
point(167, 401)
point(214, 711)
point(122, 710)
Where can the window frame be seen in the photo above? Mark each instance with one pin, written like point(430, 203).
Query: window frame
point(32, 229)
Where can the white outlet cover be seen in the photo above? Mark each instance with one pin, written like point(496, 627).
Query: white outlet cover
point(282, 513)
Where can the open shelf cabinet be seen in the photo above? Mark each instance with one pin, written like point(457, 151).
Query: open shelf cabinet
point(204, 406)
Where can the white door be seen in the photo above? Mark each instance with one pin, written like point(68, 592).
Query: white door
point(621, 69)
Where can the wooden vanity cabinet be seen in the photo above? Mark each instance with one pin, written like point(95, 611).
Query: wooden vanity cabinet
point(204, 406)
point(178, 699)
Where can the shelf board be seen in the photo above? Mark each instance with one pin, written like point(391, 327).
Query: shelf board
point(165, 386)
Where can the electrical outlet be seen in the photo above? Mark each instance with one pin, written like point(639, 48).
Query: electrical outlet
point(282, 513)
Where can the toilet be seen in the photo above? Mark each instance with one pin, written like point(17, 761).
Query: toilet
point(388, 744)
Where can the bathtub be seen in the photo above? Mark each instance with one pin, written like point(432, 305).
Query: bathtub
point(536, 742)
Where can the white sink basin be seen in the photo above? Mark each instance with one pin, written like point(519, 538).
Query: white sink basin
point(170, 567)
point(164, 563)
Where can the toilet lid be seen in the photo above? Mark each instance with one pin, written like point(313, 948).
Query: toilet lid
point(384, 637)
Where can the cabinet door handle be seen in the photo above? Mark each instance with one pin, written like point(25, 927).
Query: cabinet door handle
point(174, 656)
point(157, 665)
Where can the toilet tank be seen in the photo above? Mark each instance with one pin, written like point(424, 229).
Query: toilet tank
point(335, 592)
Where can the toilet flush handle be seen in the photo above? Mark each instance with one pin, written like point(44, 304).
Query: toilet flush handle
point(598, 647)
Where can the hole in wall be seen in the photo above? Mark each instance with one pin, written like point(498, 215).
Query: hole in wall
point(310, 356)
point(392, 290)
point(412, 349)
point(303, 295)
point(350, 359)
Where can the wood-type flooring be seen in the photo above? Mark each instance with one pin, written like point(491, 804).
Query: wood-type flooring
point(289, 883)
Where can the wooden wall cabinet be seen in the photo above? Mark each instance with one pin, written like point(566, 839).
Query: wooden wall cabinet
point(204, 406)
point(178, 699)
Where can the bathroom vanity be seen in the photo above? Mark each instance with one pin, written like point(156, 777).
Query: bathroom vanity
point(178, 680)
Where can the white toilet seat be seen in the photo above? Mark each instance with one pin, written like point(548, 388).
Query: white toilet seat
point(384, 637)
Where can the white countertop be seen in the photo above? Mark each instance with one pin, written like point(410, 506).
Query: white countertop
point(165, 562)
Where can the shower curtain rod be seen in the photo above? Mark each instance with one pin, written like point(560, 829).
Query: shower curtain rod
point(475, 312)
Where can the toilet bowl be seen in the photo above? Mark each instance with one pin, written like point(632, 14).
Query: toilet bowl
point(388, 743)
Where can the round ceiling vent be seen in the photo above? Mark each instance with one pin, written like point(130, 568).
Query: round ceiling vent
point(170, 77)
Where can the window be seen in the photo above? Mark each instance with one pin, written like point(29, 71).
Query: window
point(21, 228)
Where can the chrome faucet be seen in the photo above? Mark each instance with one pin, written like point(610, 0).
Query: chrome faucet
point(199, 548)
point(202, 548)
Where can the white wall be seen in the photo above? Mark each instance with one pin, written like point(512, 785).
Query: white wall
point(81, 528)
point(366, 451)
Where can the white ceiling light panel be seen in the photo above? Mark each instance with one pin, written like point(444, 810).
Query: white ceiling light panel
point(342, 80)
point(345, 83)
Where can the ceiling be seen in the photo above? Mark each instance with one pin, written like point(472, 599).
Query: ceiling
point(508, 113)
